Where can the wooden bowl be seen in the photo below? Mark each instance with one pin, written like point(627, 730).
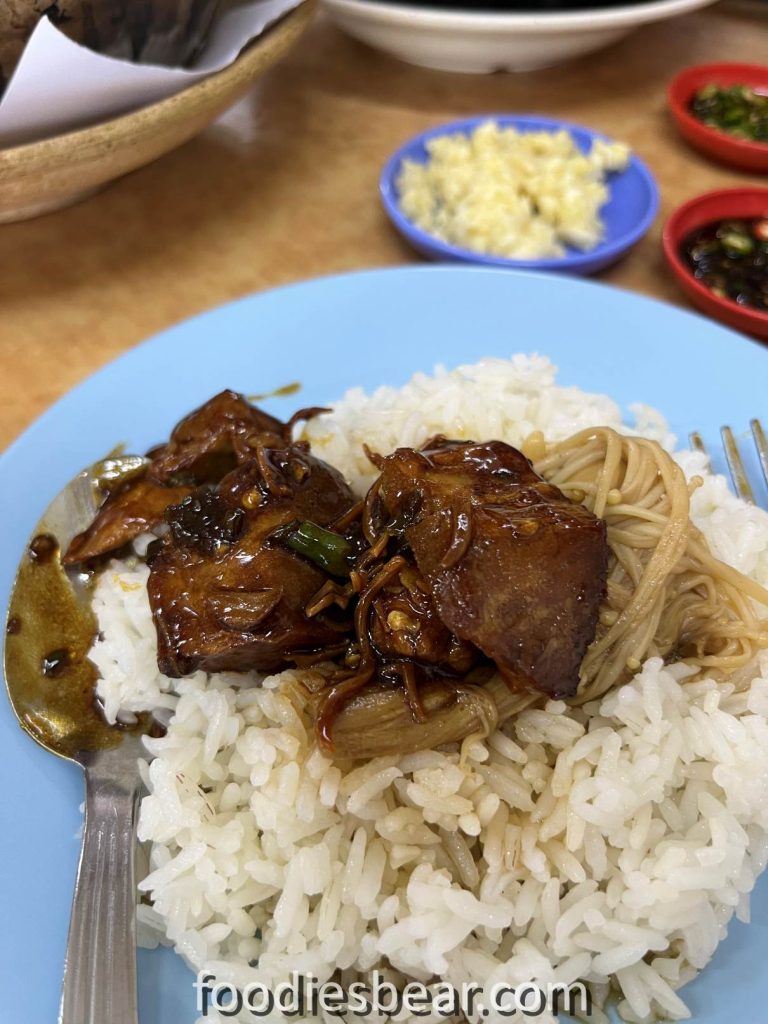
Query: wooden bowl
point(43, 176)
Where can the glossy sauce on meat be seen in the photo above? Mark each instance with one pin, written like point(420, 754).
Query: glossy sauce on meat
point(405, 624)
point(460, 561)
point(136, 508)
point(210, 442)
point(205, 446)
point(223, 595)
point(515, 567)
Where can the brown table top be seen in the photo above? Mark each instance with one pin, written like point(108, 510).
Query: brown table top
point(285, 188)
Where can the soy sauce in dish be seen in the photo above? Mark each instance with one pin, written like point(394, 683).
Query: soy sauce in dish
point(730, 257)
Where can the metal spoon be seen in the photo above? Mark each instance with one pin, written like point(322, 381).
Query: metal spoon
point(51, 686)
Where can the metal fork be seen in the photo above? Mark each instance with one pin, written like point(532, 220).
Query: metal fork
point(733, 457)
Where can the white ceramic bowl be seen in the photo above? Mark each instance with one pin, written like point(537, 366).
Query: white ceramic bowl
point(482, 42)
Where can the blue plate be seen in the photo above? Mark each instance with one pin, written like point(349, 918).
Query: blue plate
point(628, 214)
point(362, 329)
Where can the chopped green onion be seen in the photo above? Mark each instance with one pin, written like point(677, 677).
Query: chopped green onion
point(325, 548)
point(738, 110)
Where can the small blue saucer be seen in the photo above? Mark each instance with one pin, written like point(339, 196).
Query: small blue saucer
point(628, 214)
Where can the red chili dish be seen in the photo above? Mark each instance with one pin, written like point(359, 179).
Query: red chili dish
point(745, 204)
point(714, 142)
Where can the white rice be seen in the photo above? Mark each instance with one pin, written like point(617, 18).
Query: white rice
point(611, 843)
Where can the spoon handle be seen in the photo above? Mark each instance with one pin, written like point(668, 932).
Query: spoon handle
point(100, 967)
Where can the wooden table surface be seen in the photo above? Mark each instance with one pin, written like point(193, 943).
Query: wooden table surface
point(284, 188)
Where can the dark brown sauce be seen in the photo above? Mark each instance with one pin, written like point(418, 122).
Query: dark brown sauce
point(43, 548)
point(51, 682)
point(730, 257)
point(156, 730)
point(57, 662)
point(115, 470)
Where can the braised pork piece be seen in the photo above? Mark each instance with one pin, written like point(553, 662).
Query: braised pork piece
point(223, 596)
point(213, 439)
point(202, 448)
point(137, 507)
point(225, 432)
point(514, 567)
point(461, 561)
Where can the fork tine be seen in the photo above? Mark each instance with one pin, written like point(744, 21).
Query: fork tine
point(697, 443)
point(761, 444)
point(736, 466)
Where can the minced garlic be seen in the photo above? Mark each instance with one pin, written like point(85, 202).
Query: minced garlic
point(502, 192)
